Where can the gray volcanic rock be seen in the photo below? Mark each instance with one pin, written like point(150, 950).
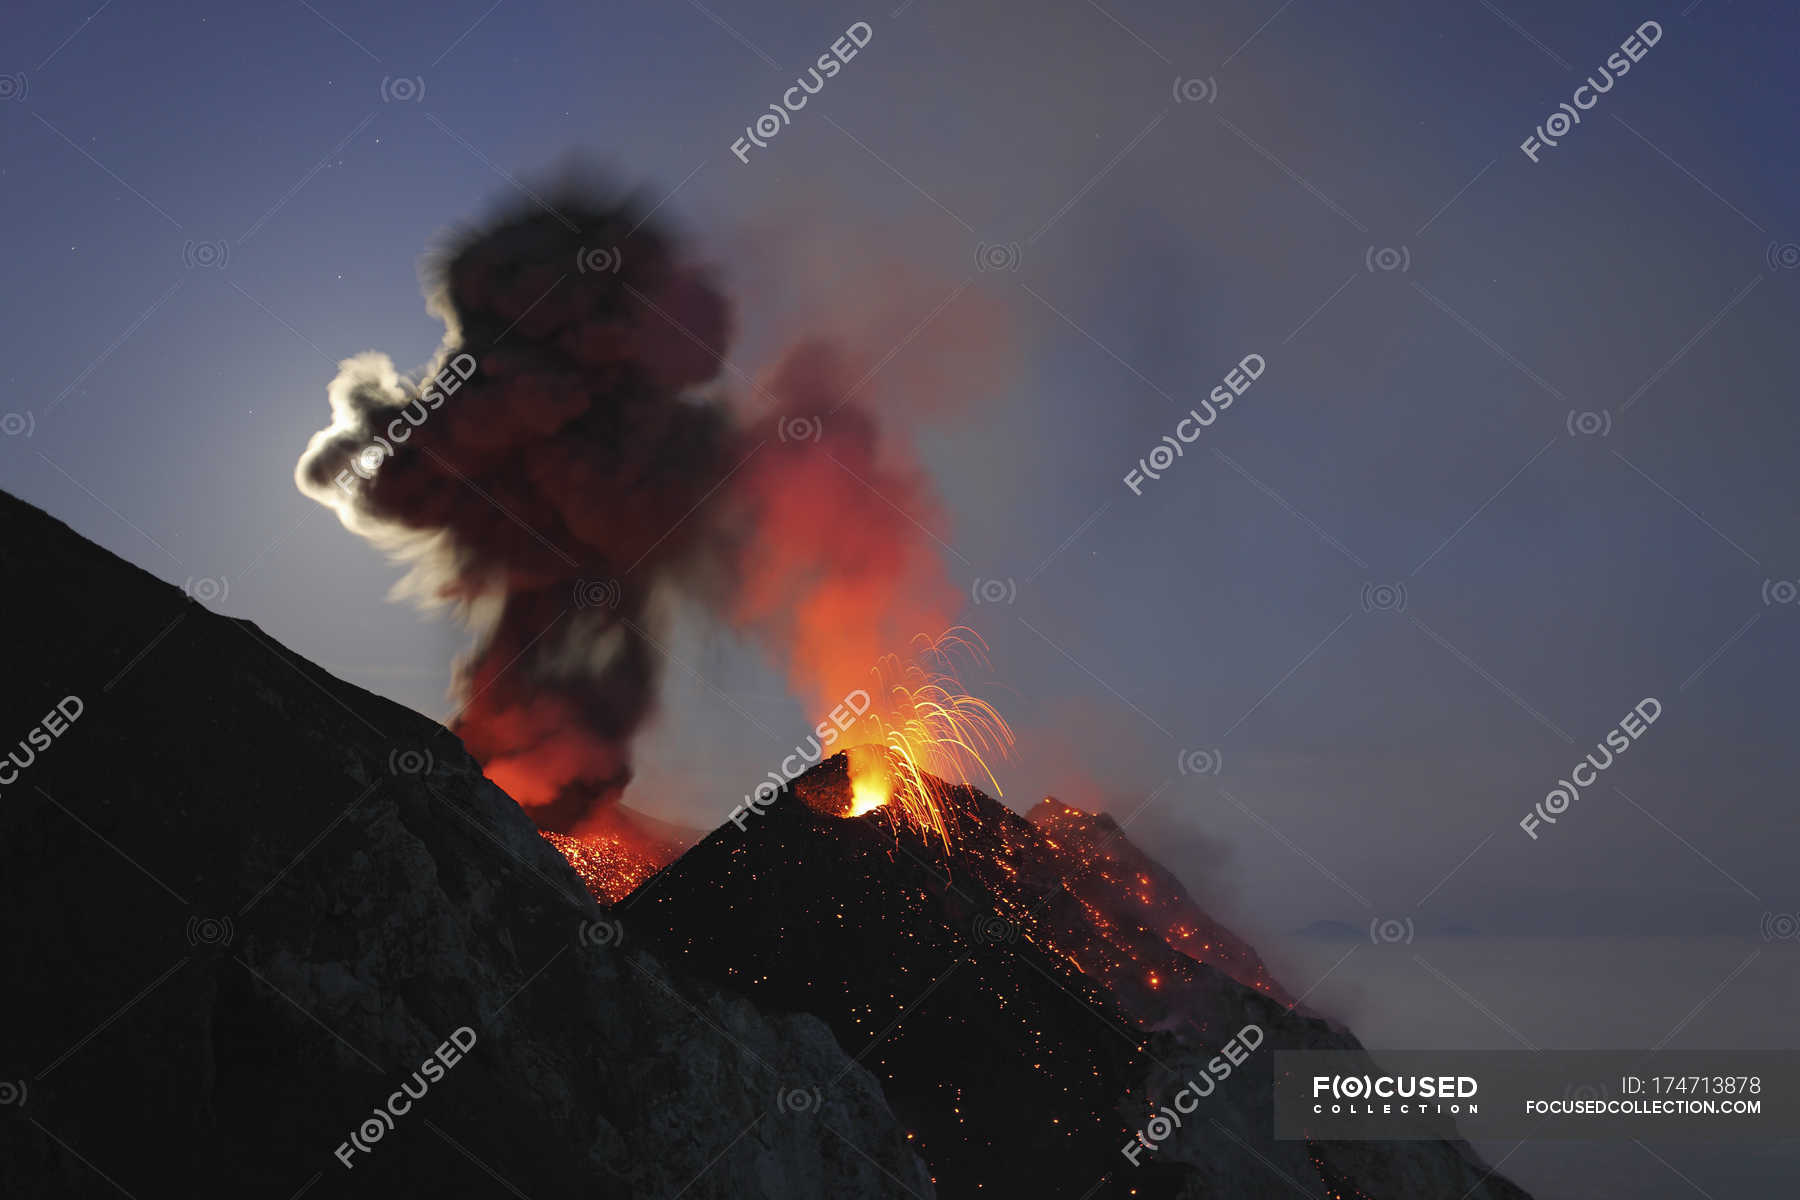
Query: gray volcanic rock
point(244, 902)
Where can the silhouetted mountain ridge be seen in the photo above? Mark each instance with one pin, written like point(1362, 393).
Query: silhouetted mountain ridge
point(1023, 1018)
point(245, 901)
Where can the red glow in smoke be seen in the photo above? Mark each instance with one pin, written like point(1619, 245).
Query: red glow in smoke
point(583, 469)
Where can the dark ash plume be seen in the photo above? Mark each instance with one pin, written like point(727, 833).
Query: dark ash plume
point(568, 456)
point(536, 478)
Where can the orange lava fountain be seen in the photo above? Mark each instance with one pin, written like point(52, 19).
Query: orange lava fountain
point(932, 730)
point(922, 734)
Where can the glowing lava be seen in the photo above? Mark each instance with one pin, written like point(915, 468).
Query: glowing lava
point(922, 735)
point(933, 730)
point(871, 784)
point(610, 868)
point(617, 851)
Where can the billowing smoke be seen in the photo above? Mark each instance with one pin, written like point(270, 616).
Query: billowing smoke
point(573, 450)
point(834, 573)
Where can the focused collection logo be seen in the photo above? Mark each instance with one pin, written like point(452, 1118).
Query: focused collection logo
point(1406, 1095)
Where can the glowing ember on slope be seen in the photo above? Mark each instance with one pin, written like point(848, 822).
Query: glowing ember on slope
point(1086, 895)
point(619, 849)
point(609, 866)
point(1136, 903)
point(1067, 881)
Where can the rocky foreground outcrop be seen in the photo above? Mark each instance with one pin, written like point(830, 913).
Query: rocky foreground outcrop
point(244, 902)
point(268, 935)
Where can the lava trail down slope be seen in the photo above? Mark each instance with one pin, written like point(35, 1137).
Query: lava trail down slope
point(1025, 1011)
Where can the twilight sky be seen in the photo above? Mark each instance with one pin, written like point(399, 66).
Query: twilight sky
point(1521, 456)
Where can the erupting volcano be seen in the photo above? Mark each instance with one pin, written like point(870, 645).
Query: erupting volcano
point(922, 728)
point(572, 461)
point(1027, 994)
point(578, 457)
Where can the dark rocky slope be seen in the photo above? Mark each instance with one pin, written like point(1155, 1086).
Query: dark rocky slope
point(242, 901)
point(1002, 999)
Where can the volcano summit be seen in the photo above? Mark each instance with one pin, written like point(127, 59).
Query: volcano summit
point(245, 901)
